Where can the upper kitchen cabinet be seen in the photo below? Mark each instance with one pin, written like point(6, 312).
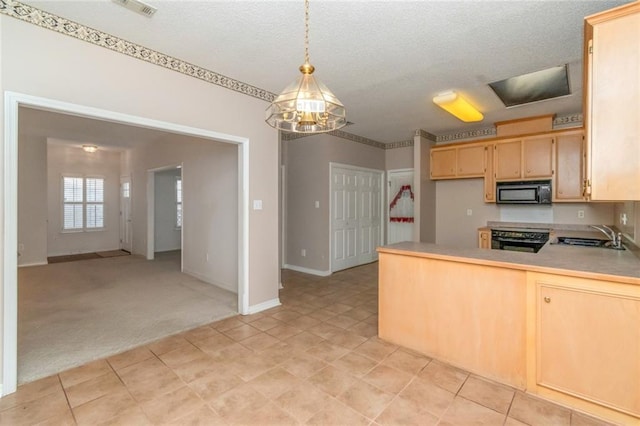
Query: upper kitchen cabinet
point(569, 164)
point(463, 161)
point(612, 103)
point(527, 158)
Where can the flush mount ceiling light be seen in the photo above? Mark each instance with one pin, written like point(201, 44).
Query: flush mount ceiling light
point(89, 148)
point(306, 105)
point(533, 87)
point(458, 106)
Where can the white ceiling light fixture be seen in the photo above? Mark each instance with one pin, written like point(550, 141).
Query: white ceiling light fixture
point(306, 105)
point(90, 148)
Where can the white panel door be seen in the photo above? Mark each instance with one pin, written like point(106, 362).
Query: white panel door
point(344, 219)
point(397, 230)
point(355, 216)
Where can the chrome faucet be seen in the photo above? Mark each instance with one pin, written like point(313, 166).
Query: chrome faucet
point(616, 238)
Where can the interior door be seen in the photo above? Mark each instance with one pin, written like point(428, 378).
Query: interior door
point(126, 240)
point(399, 223)
point(344, 218)
point(369, 211)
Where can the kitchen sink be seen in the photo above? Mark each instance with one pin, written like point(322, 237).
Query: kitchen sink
point(586, 242)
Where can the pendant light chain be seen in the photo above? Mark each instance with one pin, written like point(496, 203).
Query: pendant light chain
point(306, 31)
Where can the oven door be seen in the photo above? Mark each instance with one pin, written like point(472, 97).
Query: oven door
point(516, 245)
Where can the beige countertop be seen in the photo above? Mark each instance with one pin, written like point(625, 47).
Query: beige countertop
point(587, 262)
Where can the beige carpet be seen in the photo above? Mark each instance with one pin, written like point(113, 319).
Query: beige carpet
point(75, 312)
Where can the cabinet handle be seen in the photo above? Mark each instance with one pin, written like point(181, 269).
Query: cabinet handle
point(547, 299)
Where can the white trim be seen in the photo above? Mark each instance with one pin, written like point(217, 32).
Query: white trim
point(12, 102)
point(208, 280)
point(254, 309)
point(26, 265)
point(308, 270)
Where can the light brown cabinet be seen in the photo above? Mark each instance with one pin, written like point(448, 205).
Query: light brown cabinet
point(568, 180)
point(588, 340)
point(612, 103)
point(489, 176)
point(527, 158)
point(464, 161)
point(484, 238)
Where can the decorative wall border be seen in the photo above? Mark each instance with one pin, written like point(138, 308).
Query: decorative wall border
point(339, 134)
point(564, 120)
point(467, 134)
point(73, 29)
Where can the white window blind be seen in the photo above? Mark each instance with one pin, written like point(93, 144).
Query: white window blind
point(83, 203)
point(178, 203)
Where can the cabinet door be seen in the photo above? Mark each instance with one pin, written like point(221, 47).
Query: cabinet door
point(484, 239)
point(613, 105)
point(470, 161)
point(508, 160)
point(443, 163)
point(489, 177)
point(569, 165)
point(538, 157)
point(589, 345)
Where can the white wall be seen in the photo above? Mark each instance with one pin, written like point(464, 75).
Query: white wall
point(398, 158)
point(72, 160)
point(210, 203)
point(32, 199)
point(166, 236)
point(40, 62)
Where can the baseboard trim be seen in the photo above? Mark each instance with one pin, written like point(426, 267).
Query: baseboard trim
point(26, 265)
point(210, 281)
point(254, 309)
point(308, 270)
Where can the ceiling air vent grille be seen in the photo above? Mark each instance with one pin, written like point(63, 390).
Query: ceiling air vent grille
point(137, 6)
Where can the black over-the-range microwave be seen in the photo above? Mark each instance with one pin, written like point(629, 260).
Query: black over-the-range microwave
point(524, 192)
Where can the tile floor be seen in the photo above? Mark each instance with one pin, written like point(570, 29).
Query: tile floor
point(314, 360)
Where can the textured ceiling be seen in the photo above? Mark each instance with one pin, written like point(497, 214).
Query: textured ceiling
point(385, 60)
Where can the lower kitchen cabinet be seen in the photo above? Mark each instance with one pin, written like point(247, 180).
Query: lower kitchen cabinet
point(588, 340)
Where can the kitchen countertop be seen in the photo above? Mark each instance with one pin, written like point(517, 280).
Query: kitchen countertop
point(587, 262)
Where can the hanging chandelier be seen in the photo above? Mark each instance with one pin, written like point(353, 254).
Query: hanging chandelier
point(306, 105)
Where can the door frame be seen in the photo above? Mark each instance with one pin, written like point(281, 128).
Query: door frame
point(333, 165)
point(123, 225)
point(12, 102)
point(151, 210)
point(388, 198)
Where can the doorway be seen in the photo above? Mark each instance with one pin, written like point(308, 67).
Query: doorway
point(400, 205)
point(126, 239)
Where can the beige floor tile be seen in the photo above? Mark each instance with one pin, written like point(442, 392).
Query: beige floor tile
point(268, 415)
point(265, 323)
point(426, 396)
point(284, 331)
point(260, 342)
point(490, 394)
point(228, 323)
point(133, 416)
point(212, 386)
point(364, 329)
point(93, 389)
point(65, 419)
point(332, 380)
point(366, 399)
point(302, 401)
point(197, 368)
point(303, 365)
point(388, 379)
point(513, 422)
point(346, 339)
point(104, 408)
point(342, 321)
point(131, 357)
point(324, 330)
point(443, 375)
point(84, 373)
point(242, 332)
point(251, 366)
point(275, 382)
point(146, 369)
point(181, 355)
point(242, 398)
point(286, 315)
point(204, 416)
point(535, 411)
point(51, 405)
point(305, 322)
point(168, 344)
point(229, 355)
point(401, 412)
point(358, 314)
point(31, 391)
point(354, 363)
point(303, 340)
point(147, 380)
point(406, 361)
point(579, 419)
point(376, 349)
point(200, 333)
point(322, 314)
point(338, 308)
point(214, 344)
point(464, 412)
point(337, 413)
point(172, 405)
point(327, 352)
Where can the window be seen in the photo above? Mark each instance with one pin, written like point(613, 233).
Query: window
point(82, 203)
point(178, 203)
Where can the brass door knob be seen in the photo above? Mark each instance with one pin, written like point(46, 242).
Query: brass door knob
point(547, 300)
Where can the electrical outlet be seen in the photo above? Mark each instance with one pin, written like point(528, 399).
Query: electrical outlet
point(317, 204)
point(623, 218)
point(303, 252)
point(469, 212)
point(580, 214)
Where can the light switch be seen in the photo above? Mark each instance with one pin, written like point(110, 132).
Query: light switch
point(257, 204)
point(317, 204)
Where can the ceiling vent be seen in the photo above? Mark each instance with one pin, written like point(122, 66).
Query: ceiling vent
point(138, 7)
point(533, 87)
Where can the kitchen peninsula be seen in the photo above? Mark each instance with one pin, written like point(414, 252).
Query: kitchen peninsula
point(563, 323)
